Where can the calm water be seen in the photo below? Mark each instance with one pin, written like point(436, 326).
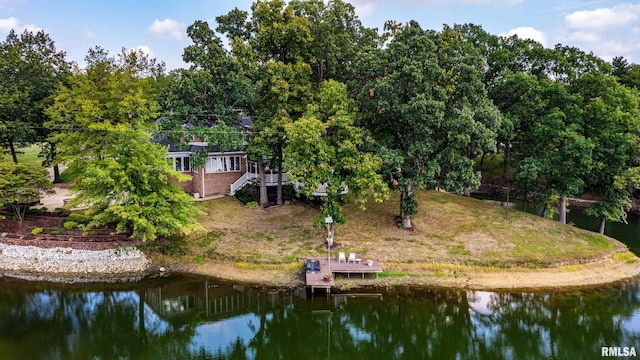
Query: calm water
point(197, 318)
point(200, 318)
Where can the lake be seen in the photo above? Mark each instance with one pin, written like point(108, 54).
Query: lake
point(187, 317)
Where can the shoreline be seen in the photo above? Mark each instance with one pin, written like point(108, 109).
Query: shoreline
point(619, 268)
point(67, 265)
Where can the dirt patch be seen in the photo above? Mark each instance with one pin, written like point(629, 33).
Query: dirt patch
point(53, 234)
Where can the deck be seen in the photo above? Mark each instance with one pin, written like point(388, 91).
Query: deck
point(315, 279)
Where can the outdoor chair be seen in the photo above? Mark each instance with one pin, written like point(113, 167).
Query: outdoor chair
point(341, 258)
point(316, 266)
point(352, 258)
point(309, 265)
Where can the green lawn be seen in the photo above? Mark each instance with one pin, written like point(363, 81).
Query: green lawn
point(27, 155)
point(449, 229)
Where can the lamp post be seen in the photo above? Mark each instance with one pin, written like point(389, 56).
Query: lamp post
point(329, 221)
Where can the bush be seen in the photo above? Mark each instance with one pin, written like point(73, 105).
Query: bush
point(80, 217)
point(55, 232)
point(250, 192)
point(70, 225)
point(36, 231)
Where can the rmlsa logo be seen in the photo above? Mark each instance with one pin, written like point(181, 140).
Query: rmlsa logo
point(618, 351)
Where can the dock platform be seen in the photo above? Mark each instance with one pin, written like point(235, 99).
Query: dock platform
point(315, 279)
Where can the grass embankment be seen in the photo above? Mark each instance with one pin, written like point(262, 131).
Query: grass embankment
point(26, 155)
point(452, 235)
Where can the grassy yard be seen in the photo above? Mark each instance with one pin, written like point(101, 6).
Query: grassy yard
point(449, 229)
point(27, 155)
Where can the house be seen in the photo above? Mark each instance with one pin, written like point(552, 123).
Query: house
point(223, 172)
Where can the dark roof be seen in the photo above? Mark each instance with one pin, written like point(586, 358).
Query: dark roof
point(245, 121)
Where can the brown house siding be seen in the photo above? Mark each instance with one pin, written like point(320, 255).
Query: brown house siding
point(217, 183)
point(214, 183)
point(187, 186)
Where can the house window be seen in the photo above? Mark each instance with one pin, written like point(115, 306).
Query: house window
point(216, 164)
point(252, 167)
point(181, 163)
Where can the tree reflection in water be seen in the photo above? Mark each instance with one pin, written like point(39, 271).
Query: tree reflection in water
point(195, 318)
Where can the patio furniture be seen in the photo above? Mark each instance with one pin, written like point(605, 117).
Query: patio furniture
point(352, 258)
point(341, 258)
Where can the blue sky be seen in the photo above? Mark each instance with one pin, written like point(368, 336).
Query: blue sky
point(605, 27)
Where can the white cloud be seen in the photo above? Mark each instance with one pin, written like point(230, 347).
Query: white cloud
point(585, 37)
point(144, 49)
point(527, 32)
point(88, 34)
point(167, 28)
point(9, 23)
point(602, 18)
point(365, 10)
point(12, 23)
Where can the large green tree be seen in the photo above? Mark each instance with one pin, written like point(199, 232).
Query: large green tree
point(610, 113)
point(31, 68)
point(294, 46)
point(424, 102)
point(105, 117)
point(323, 151)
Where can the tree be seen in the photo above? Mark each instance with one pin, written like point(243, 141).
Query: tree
point(293, 46)
point(424, 103)
point(323, 151)
point(105, 118)
point(21, 185)
point(30, 70)
point(610, 113)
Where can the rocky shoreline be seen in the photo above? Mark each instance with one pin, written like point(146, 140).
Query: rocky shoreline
point(65, 264)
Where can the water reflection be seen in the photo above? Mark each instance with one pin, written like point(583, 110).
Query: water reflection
point(195, 318)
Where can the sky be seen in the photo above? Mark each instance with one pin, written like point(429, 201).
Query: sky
point(607, 28)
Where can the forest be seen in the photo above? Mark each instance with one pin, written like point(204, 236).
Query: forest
point(332, 102)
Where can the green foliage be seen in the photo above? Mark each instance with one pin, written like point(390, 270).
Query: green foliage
point(30, 70)
point(55, 232)
point(323, 152)
point(36, 230)
point(424, 102)
point(79, 217)
point(249, 193)
point(122, 176)
point(70, 225)
point(21, 185)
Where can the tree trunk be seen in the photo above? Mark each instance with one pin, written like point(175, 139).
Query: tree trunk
point(12, 148)
point(279, 185)
point(466, 192)
point(56, 174)
point(264, 199)
point(524, 200)
point(563, 209)
point(484, 155)
point(603, 222)
point(279, 188)
point(404, 195)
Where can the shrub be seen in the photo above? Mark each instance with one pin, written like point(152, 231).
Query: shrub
point(36, 231)
point(249, 193)
point(70, 225)
point(80, 217)
point(55, 232)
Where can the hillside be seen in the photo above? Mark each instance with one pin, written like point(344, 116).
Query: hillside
point(452, 235)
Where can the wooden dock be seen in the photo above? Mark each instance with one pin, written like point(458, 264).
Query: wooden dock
point(316, 280)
